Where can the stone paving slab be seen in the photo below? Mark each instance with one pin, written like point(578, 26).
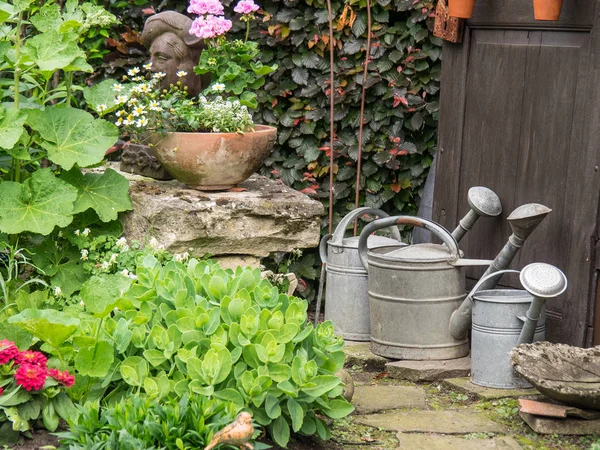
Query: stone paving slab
point(359, 354)
point(429, 370)
point(371, 399)
point(546, 425)
point(465, 386)
point(446, 422)
point(437, 442)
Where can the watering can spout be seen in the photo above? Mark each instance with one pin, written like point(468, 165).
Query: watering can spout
point(523, 220)
point(483, 202)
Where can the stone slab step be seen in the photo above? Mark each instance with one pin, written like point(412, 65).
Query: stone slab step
point(437, 442)
point(546, 425)
point(372, 399)
point(359, 354)
point(428, 371)
point(465, 386)
point(445, 422)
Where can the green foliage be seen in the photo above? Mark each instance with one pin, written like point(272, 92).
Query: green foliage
point(40, 130)
point(140, 422)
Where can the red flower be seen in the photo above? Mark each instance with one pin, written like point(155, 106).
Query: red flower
point(32, 357)
point(1, 391)
point(31, 376)
point(63, 377)
point(8, 351)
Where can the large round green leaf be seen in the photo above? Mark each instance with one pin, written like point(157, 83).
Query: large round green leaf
point(72, 136)
point(48, 325)
point(37, 205)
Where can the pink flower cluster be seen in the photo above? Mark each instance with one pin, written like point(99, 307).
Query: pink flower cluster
point(202, 7)
point(246, 7)
point(31, 370)
point(210, 26)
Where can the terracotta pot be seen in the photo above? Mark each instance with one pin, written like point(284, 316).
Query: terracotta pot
point(546, 9)
point(461, 8)
point(213, 161)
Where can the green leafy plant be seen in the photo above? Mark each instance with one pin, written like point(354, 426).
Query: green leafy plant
point(41, 131)
point(30, 391)
point(141, 422)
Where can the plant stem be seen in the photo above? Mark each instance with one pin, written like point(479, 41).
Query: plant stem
point(17, 79)
point(69, 80)
point(247, 30)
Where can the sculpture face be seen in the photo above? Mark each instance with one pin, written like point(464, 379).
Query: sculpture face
point(173, 49)
point(169, 54)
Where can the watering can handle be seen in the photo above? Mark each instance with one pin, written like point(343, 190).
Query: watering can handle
point(340, 231)
point(487, 277)
point(435, 228)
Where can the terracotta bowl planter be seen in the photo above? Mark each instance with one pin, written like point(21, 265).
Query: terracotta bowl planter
point(546, 9)
point(462, 9)
point(213, 161)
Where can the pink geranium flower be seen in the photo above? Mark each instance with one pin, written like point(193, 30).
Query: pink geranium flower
point(202, 7)
point(8, 351)
point(31, 376)
point(63, 377)
point(246, 7)
point(210, 26)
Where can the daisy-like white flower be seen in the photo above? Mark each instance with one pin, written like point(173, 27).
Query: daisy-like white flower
point(84, 254)
point(101, 108)
point(154, 106)
point(148, 66)
point(159, 75)
point(120, 113)
point(144, 88)
point(132, 101)
point(135, 90)
point(138, 111)
point(218, 87)
point(133, 72)
point(121, 99)
point(85, 232)
point(142, 122)
point(119, 122)
point(129, 120)
point(138, 79)
point(181, 73)
point(57, 291)
point(117, 87)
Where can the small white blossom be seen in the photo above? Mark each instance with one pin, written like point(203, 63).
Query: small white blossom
point(133, 276)
point(120, 113)
point(121, 242)
point(133, 72)
point(148, 66)
point(181, 73)
point(218, 87)
point(84, 254)
point(76, 232)
point(132, 101)
point(105, 265)
point(153, 243)
point(85, 232)
point(159, 75)
point(119, 122)
point(57, 291)
point(82, 304)
point(142, 122)
point(117, 87)
point(154, 106)
point(113, 258)
point(138, 111)
point(125, 272)
point(181, 257)
point(144, 88)
point(135, 90)
point(121, 99)
point(101, 108)
point(138, 79)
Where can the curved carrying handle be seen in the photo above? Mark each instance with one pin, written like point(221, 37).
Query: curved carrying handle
point(323, 248)
point(435, 228)
point(340, 231)
point(487, 277)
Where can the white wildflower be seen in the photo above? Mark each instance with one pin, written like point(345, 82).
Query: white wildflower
point(181, 73)
point(117, 87)
point(121, 242)
point(101, 108)
point(133, 276)
point(105, 265)
point(218, 87)
point(138, 79)
point(125, 272)
point(76, 232)
point(154, 106)
point(142, 122)
point(133, 72)
point(85, 232)
point(113, 258)
point(181, 257)
point(57, 291)
point(84, 254)
point(82, 304)
point(132, 101)
point(159, 75)
point(144, 88)
point(138, 111)
point(153, 243)
point(121, 99)
point(120, 113)
point(148, 66)
point(119, 122)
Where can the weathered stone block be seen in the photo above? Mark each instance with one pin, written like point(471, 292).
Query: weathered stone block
point(465, 386)
point(429, 370)
point(370, 399)
point(260, 217)
point(359, 354)
point(436, 442)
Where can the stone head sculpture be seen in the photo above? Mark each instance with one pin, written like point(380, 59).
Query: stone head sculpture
point(173, 48)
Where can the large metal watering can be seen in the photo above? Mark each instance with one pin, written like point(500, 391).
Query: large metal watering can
point(504, 318)
point(413, 291)
point(346, 298)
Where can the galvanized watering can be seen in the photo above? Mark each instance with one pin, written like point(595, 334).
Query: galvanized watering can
point(504, 318)
point(347, 299)
point(413, 291)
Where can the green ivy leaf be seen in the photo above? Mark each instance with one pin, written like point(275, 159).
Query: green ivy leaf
point(95, 360)
point(72, 136)
point(106, 193)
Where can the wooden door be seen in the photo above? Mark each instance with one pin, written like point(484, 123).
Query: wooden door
point(520, 113)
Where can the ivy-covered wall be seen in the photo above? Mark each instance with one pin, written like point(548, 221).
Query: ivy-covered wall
point(401, 110)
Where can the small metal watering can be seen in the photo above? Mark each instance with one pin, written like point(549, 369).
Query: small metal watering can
point(347, 299)
point(504, 318)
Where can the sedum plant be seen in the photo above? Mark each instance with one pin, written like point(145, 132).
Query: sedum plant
point(194, 328)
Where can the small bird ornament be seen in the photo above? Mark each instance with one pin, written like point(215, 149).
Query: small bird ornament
point(239, 432)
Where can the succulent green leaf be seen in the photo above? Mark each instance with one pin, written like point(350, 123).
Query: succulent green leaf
point(106, 193)
point(134, 370)
point(338, 408)
point(48, 325)
point(296, 414)
point(37, 205)
point(95, 360)
point(323, 383)
point(272, 407)
point(72, 136)
point(280, 431)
